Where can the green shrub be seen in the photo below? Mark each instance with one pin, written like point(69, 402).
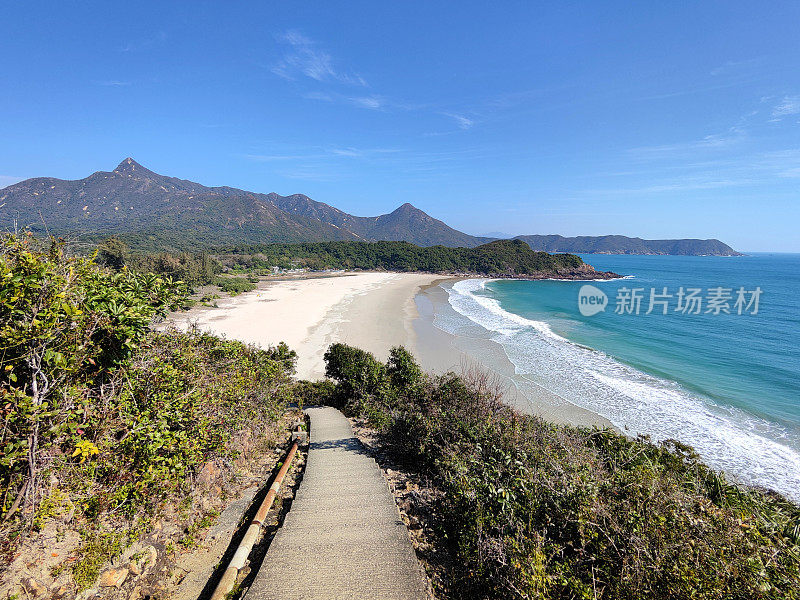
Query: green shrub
point(235, 285)
point(312, 393)
point(66, 327)
point(358, 374)
point(122, 414)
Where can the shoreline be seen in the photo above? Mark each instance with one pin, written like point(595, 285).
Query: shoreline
point(374, 311)
point(439, 351)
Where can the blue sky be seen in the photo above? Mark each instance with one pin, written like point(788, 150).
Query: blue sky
point(653, 119)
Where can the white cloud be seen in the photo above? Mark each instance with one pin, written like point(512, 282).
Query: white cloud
point(318, 153)
point(372, 102)
point(319, 96)
point(347, 152)
point(790, 105)
point(462, 121)
point(304, 58)
point(733, 66)
point(690, 148)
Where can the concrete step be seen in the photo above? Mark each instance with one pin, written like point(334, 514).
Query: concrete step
point(343, 537)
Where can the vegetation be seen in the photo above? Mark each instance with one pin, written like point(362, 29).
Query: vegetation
point(528, 509)
point(235, 285)
point(502, 257)
point(192, 268)
point(102, 415)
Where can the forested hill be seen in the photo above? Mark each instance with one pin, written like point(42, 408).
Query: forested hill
point(620, 244)
point(501, 258)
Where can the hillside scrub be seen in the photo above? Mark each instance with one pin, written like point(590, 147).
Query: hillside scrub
point(105, 421)
point(528, 509)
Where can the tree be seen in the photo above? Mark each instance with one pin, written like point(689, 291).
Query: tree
point(113, 252)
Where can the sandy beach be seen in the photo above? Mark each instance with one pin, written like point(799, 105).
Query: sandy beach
point(373, 311)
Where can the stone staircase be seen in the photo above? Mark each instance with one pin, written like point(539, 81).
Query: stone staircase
point(343, 537)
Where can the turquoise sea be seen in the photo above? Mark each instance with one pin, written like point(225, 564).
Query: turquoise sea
point(726, 383)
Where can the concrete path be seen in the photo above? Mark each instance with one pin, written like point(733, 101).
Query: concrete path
point(343, 537)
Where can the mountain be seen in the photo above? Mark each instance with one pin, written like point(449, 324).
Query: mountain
point(156, 212)
point(407, 223)
point(152, 211)
point(619, 244)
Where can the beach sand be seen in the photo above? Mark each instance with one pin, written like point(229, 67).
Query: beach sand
point(373, 311)
point(370, 310)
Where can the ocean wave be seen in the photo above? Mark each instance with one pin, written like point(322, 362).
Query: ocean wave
point(495, 318)
point(750, 448)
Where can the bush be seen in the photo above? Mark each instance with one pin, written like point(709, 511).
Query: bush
point(66, 327)
point(358, 374)
point(235, 285)
point(90, 392)
point(529, 509)
point(312, 393)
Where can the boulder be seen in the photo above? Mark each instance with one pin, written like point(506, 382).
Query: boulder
point(113, 577)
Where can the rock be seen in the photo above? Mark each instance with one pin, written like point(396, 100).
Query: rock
point(134, 569)
point(208, 473)
point(136, 593)
point(113, 577)
point(152, 557)
point(34, 587)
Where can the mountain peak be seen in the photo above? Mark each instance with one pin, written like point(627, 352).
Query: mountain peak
point(130, 166)
point(407, 208)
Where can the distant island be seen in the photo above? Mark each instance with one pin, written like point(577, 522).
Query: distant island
point(153, 212)
point(620, 244)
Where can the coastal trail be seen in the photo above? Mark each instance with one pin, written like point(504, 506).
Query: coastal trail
point(343, 537)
